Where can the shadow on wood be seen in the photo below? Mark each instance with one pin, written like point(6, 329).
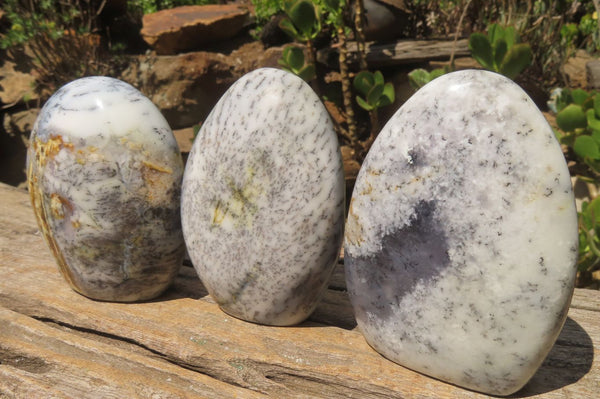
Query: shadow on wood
point(569, 361)
point(186, 285)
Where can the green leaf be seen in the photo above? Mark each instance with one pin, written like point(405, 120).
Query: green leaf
point(288, 27)
point(284, 56)
point(563, 99)
point(378, 78)
point(363, 82)
point(593, 123)
point(286, 51)
point(303, 16)
point(436, 73)
point(418, 78)
point(586, 147)
point(481, 50)
point(374, 94)
point(332, 5)
point(571, 117)
point(307, 73)
point(517, 58)
point(196, 129)
point(568, 32)
point(596, 135)
point(500, 49)
point(363, 104)
point(579, 96)
point(597, 105)
point(593, 209)
point(295, 57)
point(585, 216)
point(495, 33)
point(510, 36)
point(389, 92)
point(388, 96)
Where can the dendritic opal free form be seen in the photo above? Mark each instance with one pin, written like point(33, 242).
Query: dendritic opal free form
point(461, 240)
point(104, 174)
point(263, 199)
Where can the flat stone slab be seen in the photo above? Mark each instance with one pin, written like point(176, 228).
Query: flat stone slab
point(263, 199)
point(461, 240)
point(187, 28)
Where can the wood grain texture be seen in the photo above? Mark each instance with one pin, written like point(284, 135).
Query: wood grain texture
point(57, 343)
point(402, 52)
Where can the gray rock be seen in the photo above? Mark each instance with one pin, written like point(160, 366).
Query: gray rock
point(263, 199)
point(592, 69)
point(104, 175)
point(461, 239)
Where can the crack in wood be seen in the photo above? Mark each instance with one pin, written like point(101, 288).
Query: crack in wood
point(103, 336)
point(212, 371)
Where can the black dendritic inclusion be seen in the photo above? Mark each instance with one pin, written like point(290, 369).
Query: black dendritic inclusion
point(416, 253)
point(414, 158)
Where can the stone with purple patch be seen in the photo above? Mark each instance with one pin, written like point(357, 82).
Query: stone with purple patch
point(263, 199)
point(461, 240)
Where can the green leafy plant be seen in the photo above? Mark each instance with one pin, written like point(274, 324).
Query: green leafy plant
point(578, 120)
point(292, 60)
point(420, 77)
point(303, 22)
point(375, 92)
point(500, 50)
point(578, 117)
point(589, 236)
point(589, 31)
point(150, 6)
point(334, 11)
point(195, 130)
point(568, 36)
point(582, 34)
point(263, 11)
point(61, 35)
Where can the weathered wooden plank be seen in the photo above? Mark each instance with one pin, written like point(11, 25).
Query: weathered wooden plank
point(402, 52)
point(586, 299)
point(42, 361)
point(186, 332)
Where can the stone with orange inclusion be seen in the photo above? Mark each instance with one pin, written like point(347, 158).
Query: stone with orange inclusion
point(104, 175)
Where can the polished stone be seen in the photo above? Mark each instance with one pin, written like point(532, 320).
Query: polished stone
point(104, 174)
point(461, 240)
point(263, 199)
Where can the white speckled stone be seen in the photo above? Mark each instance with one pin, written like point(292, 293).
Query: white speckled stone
point(263, 199)
point(104, 175)
point(461, 239)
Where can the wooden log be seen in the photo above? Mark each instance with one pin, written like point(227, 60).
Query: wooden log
point(55, 342)
point(403, 52)
point(72, 365)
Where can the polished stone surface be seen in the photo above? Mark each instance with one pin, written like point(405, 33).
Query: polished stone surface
point(461, 238)
point(263, 199)
point(104, 174)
